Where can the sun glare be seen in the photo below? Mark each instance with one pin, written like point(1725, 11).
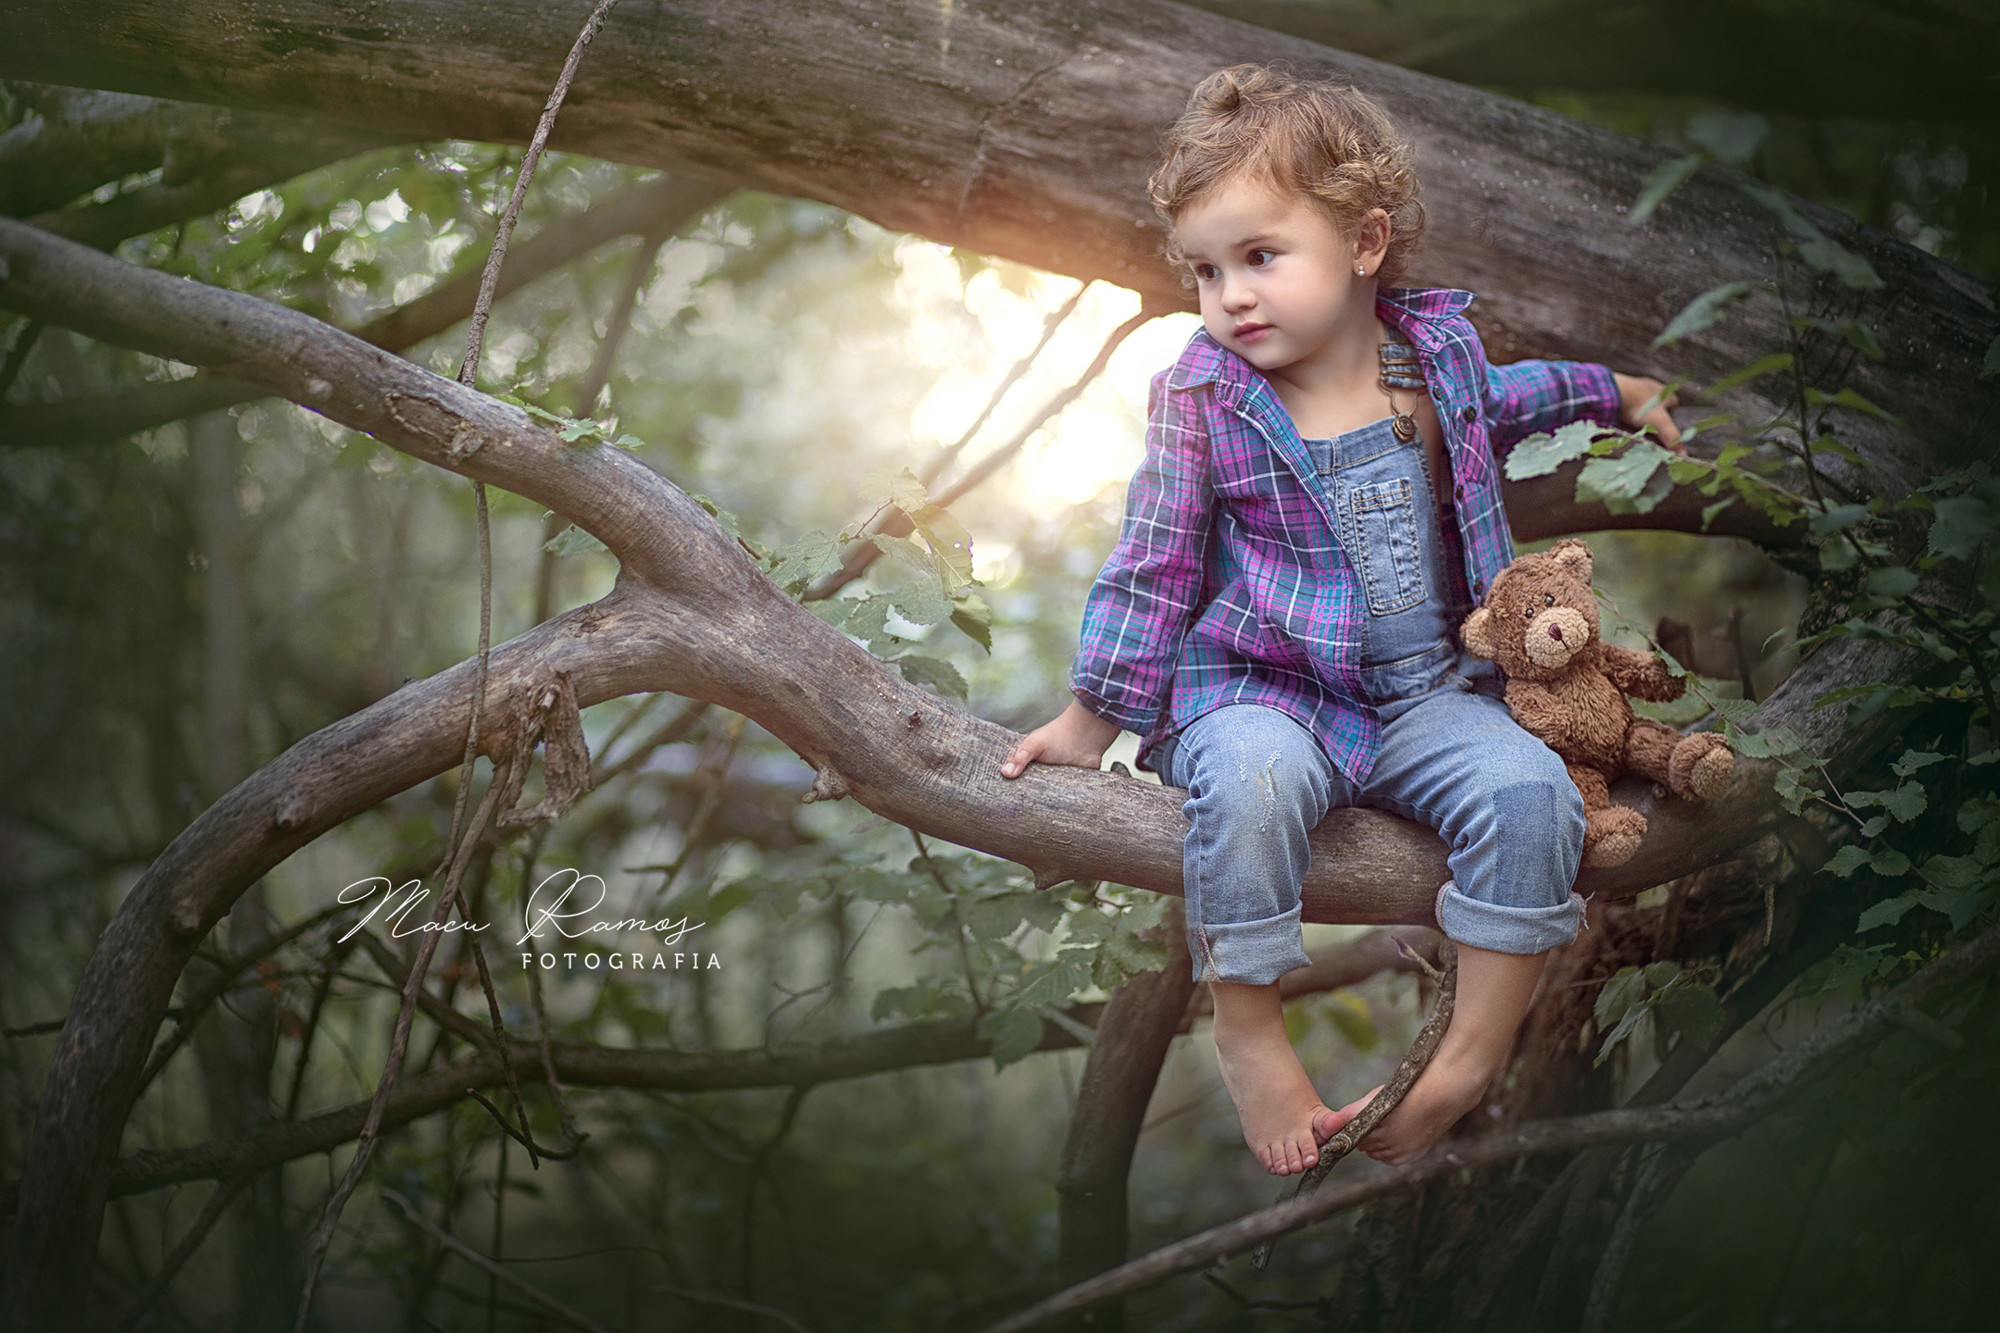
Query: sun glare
point(1098, 439)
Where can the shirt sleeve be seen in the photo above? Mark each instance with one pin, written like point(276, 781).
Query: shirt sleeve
point(1143, 600)
point(1528, 397)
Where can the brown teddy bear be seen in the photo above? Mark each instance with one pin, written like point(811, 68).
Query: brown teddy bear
point(1567, 687)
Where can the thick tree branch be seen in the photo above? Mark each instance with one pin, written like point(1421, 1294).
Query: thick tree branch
point(1027, 130)
point(783, 1065)
point(654, 208)
point(692, 614)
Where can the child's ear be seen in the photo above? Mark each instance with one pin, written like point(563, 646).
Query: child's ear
point(1476, 634)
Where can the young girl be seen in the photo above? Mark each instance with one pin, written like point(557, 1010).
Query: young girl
point(1317, 511)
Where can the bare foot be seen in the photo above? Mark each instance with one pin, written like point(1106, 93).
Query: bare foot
point(1443, 1093)
point(1284, 1121)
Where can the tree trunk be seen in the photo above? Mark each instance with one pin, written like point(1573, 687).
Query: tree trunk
point(1027, 130)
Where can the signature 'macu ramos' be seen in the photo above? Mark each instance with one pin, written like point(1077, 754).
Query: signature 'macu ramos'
point(550, 905)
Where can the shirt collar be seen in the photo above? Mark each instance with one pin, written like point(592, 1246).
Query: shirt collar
point(1418, 313)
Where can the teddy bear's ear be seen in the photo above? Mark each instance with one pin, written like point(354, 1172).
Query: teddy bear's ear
point(1475, 634)
point(1572, 554)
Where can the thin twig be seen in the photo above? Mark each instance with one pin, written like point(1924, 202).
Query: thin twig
point(1656, 1181)
point(17, 354)
point(219, 1199)
point(706, 804)
point(943, 458)
point(399, 1045)
point(521, 1136)
point(1382, 1103)
point(1704, 1120)
point(459, 853)
point(542, 1035)
point(895, 523)
point(533, 1293)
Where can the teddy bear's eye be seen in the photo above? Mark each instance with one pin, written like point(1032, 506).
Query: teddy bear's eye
point(1528, 611)
point(1548, 599)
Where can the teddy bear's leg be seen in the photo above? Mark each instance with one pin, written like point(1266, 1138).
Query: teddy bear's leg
point(1702, 766)
point(1694, 768)
point(1649, 749)
point(1611, 833)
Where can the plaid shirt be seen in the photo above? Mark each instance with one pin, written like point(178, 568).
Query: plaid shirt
point(1228, 584)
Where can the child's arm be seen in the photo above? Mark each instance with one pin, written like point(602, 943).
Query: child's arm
point(1142, 601)
point(1528, 397)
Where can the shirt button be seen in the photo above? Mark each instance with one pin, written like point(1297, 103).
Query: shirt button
point(1469, 415)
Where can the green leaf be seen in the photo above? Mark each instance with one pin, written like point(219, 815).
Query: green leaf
point(974, 618)
point(1731, 136)
point(1891, 864)
point(573, 540)
point(1703, 311)
point(1856, 333)
point(1708, 512)
point(950, 543)
point(1846, 398)
point(1054, 981)
point(1659, 183)
point(1991, 366)
point(1015, 1032)
point(935, 672)
point(1539, 455)
point(1830, 256)
point(1626, 988)
point(1887, 912)
point(1847, 860)
point(1915, 760)
point(1693, 1010)
point(1661, 974)
point(896, 486)
point(806, 560)
point(1961, 525)
point(1793, 792)
point(1891, 581)
point(921, 602)
point(1906, 802)
point(1827, 444)
point(1763, 365)
point(723, 517)
point(1624, 484)
point(1836, 554)
point(1839, 518)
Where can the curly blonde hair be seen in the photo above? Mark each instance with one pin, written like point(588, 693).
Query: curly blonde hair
point(1328, 141)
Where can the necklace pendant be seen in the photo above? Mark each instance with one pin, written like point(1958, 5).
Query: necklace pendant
point(1404, 426)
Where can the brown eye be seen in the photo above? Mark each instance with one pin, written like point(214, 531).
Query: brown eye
point(1548, 599)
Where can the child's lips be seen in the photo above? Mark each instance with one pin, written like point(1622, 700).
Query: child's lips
point(1250, 333)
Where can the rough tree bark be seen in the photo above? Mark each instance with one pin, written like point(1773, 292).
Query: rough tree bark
point(1027, 130)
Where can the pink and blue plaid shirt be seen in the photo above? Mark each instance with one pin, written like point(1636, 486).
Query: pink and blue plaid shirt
point(1228, 584)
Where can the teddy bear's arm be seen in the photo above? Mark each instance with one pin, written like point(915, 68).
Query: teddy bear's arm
point(1641, 675)
point(1538, 711)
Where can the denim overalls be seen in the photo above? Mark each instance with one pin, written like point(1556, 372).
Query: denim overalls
point(1452, 755)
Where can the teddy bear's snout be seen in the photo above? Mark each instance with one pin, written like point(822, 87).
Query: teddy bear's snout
point(1555, 636)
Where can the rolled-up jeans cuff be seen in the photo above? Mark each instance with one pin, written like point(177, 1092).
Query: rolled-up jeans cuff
point(1254, 953)
point(1507, 929)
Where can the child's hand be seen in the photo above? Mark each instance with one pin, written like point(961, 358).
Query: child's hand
point(1077, 737)
point(1634, 392)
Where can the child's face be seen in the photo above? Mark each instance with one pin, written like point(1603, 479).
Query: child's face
point(1276, 278)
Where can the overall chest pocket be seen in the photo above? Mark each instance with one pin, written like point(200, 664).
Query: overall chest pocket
point(1383, 543)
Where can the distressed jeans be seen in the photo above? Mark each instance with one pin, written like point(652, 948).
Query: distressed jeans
point(1451, 756)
